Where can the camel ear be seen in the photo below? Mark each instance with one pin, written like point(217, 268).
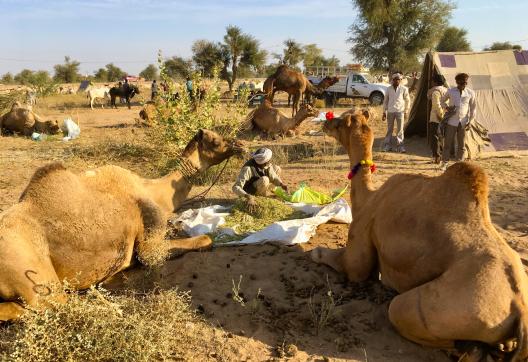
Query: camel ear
point(366, 114)
point(200, 134)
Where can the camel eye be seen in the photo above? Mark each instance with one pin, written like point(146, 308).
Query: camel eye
point(216, 143)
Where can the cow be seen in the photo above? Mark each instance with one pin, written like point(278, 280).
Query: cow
point(123, 93)
point(94, 93)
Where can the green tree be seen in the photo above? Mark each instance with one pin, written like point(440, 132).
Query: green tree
point(292, 53)
point(239, 49)
point(114, 73)
point(506, 45)
point(7, 78)
point(454, 40)
point(177, 67)
point(150, 72)
point(207, 56)
point(101, 75)
point(392, 34)
point(67, 72)
point(311, 54)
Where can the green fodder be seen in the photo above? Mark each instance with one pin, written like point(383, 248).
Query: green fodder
point(102, 327)
point(9, 98)
point(244, 220)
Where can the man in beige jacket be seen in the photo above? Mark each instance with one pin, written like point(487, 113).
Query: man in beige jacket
point(435, 95)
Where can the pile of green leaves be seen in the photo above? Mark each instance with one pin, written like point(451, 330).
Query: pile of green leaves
point(244, 220)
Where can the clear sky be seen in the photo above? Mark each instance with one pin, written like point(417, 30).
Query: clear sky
point(37, 34)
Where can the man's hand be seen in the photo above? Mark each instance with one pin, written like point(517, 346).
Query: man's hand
point(384, 117)
point(251, 203)
point(468, 126)
point(284, 187)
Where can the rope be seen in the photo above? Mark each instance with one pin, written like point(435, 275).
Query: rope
point(201, 195)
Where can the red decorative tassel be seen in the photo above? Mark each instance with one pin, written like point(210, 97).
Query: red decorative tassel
point(329, 115)
point(373, 168)
point(350, 175)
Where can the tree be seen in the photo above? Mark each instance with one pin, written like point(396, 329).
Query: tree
point(392, 34)
point(207, 56)
point(7, 78)
point(67, 72)
point(101, 75)
point(311, 54)
point(177, 67)
point(454, 40)
point(503, 46)
point(150, 72)
point(293, 53)
point(239, 49)
point(114, 73)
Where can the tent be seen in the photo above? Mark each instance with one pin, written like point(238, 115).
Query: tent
point(500, 81)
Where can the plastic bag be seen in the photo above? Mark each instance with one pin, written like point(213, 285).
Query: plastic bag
point(38, 136)
point(307, 195)
point(70, 129)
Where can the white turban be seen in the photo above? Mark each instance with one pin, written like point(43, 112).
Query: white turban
point(262, 155)
point(397, 75)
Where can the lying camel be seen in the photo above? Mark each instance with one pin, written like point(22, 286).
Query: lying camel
point(432, 240)
point(85, 228)
point(23, 120)
point(272, 121)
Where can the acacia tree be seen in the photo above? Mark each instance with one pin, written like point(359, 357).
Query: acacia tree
point(391, 34)
point(177, 67)
point(293, 53)
point(503, 46)
point(454, 40)
point(150, 72)
point(67, 72)
point(207, 56)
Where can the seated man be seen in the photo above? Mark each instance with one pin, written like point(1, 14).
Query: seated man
point(257, 175)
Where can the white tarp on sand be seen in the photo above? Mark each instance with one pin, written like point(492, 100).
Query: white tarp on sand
point(210, 219)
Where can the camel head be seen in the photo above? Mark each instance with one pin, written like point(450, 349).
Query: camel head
point(306, 111)
point(207, 148)
point(352, 131)
point(328, 81)
point(51, 127)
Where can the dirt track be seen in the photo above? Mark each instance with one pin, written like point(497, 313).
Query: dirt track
point(290, 285)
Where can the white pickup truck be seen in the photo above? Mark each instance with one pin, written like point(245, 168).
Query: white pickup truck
point(353, 85)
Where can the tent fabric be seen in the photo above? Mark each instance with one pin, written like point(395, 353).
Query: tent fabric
point(500, 82)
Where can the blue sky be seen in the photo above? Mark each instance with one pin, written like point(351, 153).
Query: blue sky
point(37, 34)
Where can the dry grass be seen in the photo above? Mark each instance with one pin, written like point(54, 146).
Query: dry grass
point(102, 327)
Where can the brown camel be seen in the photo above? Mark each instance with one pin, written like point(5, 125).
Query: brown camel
point(431, 239)
point(272, 121)
point(295, 84)
point(86, 227)
point(24, 121)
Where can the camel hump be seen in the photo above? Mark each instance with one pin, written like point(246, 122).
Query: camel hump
point(472, 175)
point(40, 174)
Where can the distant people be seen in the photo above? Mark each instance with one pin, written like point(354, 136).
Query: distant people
point(461, 106)
point(153, 90)
point(435, 95)
point(189, 86)
point(395, 108)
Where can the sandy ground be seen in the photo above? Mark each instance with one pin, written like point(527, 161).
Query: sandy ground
point(288, 307)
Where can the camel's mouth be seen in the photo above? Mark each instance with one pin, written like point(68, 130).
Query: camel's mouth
point(238, 148)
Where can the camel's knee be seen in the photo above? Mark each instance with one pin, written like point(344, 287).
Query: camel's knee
point(181, 246)
point(330, 257)
point(10, 311)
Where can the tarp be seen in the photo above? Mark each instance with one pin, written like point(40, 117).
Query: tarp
point(500, 81)
point(83, 86)
point(210, 219)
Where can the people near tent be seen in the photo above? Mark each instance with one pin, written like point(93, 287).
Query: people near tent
point(435, 95)
point(257, 176)
point(460, 104)
point(395, 109)
point(153, 90)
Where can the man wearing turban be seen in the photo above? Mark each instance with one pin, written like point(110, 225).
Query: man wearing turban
point(257, 175)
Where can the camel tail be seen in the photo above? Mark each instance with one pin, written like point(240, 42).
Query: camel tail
point(247, 125)
point(521, 352)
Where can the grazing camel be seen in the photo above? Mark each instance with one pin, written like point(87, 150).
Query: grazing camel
point(86, 227)
point(272, 121)
point(295, 84)
point(431, 239)
point(23, 120)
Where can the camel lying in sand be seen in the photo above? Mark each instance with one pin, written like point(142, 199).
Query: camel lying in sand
point(85, 228)
point(432, 240)
point(23, 120)
point(272, 121)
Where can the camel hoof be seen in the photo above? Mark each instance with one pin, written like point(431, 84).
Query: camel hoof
point(317, 255)
point(508, 346)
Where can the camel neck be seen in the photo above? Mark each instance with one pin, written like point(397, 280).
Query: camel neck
point(361, 183)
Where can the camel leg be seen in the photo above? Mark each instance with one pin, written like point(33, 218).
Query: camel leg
point(91, 103)
point(179, 247)
point(10, 311)
point(296, 97)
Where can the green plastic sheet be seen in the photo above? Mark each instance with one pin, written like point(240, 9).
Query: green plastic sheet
point(306, 195)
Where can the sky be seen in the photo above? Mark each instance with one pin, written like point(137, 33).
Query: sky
point(37, 34)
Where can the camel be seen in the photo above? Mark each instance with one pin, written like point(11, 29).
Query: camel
point(295, 84)
point(86, 227)
point(272, 121)
point(431, 239)
point(23, 120)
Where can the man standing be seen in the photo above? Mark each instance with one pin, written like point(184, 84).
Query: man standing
point(461, 101)
point(257, 175)
point(395, 108)
point(154, 90)
point(435, 95)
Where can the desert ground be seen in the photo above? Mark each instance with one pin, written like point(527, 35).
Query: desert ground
point(283, 293)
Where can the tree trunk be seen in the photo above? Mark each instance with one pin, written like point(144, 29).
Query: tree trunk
point(234, 70)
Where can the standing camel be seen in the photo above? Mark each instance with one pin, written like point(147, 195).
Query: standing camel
point(294, 83)
point(431, 239)
point(86, 227)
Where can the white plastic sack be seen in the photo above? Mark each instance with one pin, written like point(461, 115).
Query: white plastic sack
point(210, 219)
point(70, 129)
